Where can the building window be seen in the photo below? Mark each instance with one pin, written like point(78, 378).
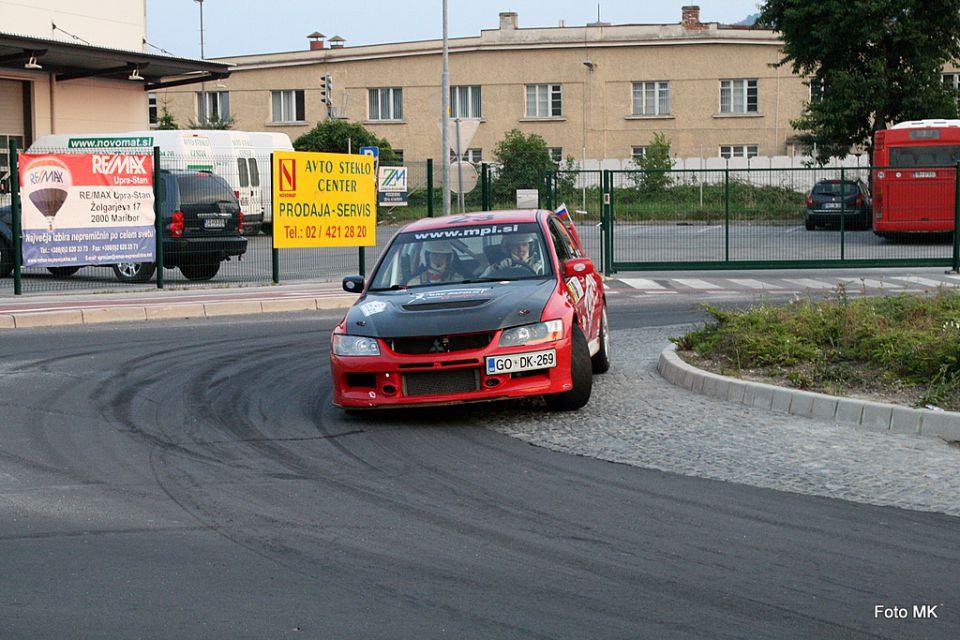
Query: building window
point(556, 154)
point(738, 151)
point(638, 153)
point(152, 108)
point(739, 96)
point(288, 106)
point(386, 103)
point(470, 155)
point(544, 101)
point(213, 105)
point(651, 98)
point(952, 81)
point(465, 102)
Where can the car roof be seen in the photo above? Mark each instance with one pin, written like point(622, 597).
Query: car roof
point(498, 217)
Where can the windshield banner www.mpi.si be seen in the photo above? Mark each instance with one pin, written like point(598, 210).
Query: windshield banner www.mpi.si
point(86, 209)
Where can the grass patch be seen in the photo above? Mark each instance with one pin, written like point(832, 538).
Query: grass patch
point(896, 348)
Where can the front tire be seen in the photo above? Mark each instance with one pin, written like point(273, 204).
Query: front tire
point(134, 271)
point(581, 375)
point(601, 359)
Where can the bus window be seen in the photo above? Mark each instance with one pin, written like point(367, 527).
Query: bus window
point(906, 157)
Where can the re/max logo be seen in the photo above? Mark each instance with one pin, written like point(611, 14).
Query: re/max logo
point(118, 164)
point(287, 168)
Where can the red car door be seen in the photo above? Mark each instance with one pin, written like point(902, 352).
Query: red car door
point(583, 288)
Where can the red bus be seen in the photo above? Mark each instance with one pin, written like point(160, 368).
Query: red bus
point(914, 180)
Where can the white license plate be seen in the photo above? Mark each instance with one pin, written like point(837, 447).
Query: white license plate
point(515, 362)
point(214, 223)
point(831, 205)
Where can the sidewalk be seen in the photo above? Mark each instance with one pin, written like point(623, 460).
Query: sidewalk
point(168, 304)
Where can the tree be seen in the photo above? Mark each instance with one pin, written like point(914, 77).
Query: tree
point(524, 163)
point(655, 165)
point(166, 120)
point(339, 136)
point(870, 63)
point(216, 123)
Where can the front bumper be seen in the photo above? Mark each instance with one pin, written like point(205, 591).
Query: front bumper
point(398, 380)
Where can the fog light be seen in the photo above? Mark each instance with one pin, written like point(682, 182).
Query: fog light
point(389, 389)
point(492, 382)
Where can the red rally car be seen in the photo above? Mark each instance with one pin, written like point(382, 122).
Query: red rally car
point(474, 307)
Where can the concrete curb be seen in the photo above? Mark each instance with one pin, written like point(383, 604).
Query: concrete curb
point(871, 415)
point(168, 311)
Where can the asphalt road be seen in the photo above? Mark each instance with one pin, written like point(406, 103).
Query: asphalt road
point(191, 480)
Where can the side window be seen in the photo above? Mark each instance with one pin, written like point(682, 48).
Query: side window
point(242, 172)
point(167, 192)
point(254, 172)
point(564, 244)
point(562, 248)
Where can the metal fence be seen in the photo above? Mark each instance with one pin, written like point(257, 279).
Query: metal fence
point(746, 219)
point(630, 220)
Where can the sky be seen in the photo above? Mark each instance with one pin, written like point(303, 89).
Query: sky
point(240, 27)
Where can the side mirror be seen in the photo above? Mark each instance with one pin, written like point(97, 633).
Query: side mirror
point(353, 284)
point(578, 267)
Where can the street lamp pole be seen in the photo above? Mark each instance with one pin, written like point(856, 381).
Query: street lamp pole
point(202, 107)
point(445, 118)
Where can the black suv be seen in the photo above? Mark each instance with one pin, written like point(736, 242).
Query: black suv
point(830, 198)
point(202, 227)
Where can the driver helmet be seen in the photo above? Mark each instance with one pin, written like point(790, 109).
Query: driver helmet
point(441, 248)
point(438, 246)
point(514, 239)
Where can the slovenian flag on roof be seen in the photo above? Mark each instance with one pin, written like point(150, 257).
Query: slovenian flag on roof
point(562, 211)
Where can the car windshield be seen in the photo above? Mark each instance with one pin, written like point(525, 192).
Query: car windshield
point(833, 188)
point(463, 254)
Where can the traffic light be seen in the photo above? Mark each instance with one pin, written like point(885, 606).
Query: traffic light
point(326, 90)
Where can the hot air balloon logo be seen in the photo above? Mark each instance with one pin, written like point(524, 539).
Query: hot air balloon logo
point(47, 183)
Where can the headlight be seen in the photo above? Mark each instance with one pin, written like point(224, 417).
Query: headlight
point(344, 345)
point(532, 334)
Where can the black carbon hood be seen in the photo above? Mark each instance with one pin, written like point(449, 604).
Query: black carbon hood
point(449, 309)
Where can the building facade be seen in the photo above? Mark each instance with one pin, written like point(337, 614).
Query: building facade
point(593, 92)
point(76, 66)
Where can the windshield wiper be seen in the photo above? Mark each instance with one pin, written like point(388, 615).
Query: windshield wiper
point(393, 287)
point(476, 280)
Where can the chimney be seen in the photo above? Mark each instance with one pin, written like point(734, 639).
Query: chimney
point(336, 42)
point(508, 21)
point(316, 40)
point(691, 17)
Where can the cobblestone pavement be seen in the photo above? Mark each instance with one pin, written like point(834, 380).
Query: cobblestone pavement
point(647, 422)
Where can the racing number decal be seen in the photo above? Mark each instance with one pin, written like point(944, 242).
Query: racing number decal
point(466, 219)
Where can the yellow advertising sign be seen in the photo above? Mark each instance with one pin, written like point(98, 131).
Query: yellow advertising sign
point(323, 200)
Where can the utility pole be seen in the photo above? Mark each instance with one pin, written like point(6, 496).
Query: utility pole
point(445, 118)
point(203, 86)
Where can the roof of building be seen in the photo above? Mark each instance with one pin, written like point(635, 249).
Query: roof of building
point(69, 61)
point(510, 36)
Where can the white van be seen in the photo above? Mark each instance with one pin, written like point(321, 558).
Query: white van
point(264, 143)
point(236, 161)
point(186, 149)
point(222, 156)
